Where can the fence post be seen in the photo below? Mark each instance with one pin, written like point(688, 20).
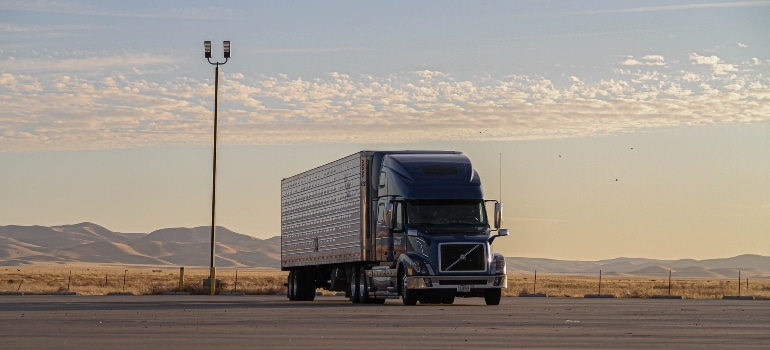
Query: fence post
point(181, 279)
point(600, 282)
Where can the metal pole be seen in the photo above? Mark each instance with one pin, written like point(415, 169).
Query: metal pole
point(600, 281)
point(212, 276)
point(500, 176)
point(207, 51)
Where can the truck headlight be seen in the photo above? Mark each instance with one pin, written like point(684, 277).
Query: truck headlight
point(421, 267)
point(498, 263)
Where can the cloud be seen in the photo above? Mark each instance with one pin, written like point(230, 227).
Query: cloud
point(102, 10)
point(716, 64)
point(647, 60)
point(305, 50)
point(85, 61)
point(62, 108)
point(670, 8)
point(742, 45)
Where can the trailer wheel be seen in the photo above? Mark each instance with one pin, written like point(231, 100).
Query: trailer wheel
point(408, 297)
point(355, 293)
point(303, 288)
point(309, 285)
point(291, 291)
point(492, 296)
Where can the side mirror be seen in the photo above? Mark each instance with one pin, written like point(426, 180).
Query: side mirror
point(500, 233)
point(498, 214)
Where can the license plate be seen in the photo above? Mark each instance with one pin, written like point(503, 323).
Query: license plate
point(464, 288)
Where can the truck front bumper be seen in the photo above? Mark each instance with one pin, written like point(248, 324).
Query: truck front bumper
point(459, 283)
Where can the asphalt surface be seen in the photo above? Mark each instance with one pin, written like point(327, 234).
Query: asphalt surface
point(272, 322)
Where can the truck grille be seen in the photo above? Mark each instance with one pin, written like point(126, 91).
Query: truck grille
point(462, 257)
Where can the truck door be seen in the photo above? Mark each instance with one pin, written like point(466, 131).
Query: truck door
point(397, 229)
point(384, 237)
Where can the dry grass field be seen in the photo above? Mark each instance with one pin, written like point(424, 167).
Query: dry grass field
point(636, 287)
point(138, 280)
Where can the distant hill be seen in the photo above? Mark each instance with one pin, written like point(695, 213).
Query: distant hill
point(750, 266)
point(89, 243)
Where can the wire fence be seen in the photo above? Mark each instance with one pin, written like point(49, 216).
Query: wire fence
point(637, 287)
point(148, 281)
point(137, 281)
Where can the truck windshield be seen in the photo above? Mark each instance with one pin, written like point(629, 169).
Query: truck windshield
point(443, 212)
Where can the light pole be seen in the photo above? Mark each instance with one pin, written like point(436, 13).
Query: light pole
point(207, 50)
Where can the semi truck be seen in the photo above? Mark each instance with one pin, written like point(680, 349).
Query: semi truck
point(381, 225)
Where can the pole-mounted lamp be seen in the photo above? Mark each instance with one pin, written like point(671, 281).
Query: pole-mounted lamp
point(207, 53)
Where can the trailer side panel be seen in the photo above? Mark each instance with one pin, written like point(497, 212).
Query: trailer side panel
point(322, 214)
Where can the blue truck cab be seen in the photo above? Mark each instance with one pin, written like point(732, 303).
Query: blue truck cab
point(408, 224)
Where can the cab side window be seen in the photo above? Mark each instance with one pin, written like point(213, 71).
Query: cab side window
point(398, 216)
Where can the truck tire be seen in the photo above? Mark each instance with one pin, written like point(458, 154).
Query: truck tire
point(353, 281)
point(304, 285)
point(492, 296)
point(291, 290)
point(409, 297)
point(310, 285)
point(363, 286)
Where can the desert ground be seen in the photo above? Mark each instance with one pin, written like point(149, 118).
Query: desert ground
point(148, 280)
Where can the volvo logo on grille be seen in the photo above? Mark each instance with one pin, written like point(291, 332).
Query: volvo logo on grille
point(462, 257)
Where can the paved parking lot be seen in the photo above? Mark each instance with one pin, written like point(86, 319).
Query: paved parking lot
point(272, 322)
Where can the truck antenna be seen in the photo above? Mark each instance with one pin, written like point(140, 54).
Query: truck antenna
point(500, 177)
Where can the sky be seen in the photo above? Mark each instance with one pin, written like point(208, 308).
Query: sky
point(607, 128)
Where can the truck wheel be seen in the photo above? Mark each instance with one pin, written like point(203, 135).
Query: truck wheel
point(492, 296)
point(291, 291)
point(448, 299)
point(363, 286)
point(302, 285)
point(308, 285)
point(409, 297)
point(353, 280)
